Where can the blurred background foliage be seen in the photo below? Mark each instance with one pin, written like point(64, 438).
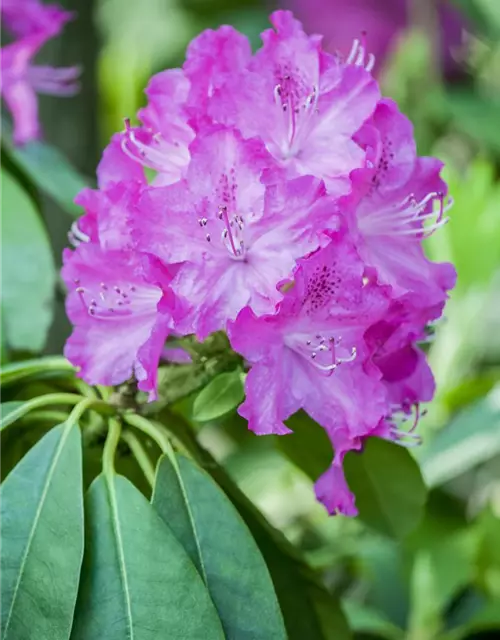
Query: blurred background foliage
point(434, 578)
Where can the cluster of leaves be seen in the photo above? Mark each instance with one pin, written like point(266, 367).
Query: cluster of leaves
point(180, 564)
point(172, 546)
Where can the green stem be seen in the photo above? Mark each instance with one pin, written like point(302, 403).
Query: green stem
point(84, 389)
point(140, 455)
point(144, 425)
point(40, 401)
point(48, 416)
point(173, 439)
point(81, 407)
point(104, 391)
point(108, 455)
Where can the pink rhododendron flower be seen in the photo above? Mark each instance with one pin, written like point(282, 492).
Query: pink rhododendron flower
point(302, 102)
point(118, 302)
point(118, 296)
point(396, 201)
point(288, 208)
point(29, 17)
point(162, 142)
point(244, 237)
point(311, 354)
point(111, 208)
point(34, 23)
point(212, 60)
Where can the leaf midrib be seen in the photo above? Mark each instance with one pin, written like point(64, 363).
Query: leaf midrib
point(174, 462)
point(115, 519)
point(38, 513)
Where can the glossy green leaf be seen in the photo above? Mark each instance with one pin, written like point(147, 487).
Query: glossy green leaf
point(220, 545)
point(28, 272)
point(7, 410)
point(471, 438)
point(50, 366)
point(386, 480)
point(309, 610)
point(137, 580)
point(42, 538)
point(221, 395)
point(49, 170)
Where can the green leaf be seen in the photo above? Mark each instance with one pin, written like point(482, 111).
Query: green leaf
point(308, 446)
point(474, 250)
point(28, 273)
point(474, 115)
point(137, 580)
point(386, 480)
point(22, 408)
point(221, 395)
point(452, 549)
point(49, 169)
point(7, 409)
point(309, 610)
point(481, 14)
point(42, 538)
point(471, 438)
point(424, 620)
point(220, 545)
point(381, 562)
point(52, 366)
point(364, 619)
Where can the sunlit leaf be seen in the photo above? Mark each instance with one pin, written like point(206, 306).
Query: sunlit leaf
point(471, 438)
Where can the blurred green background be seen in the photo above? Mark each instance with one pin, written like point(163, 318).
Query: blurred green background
point(443, 579)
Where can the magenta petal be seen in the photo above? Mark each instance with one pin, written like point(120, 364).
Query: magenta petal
point(331, 489)
point(267, 402)
point(23, 105)
point(111, 305)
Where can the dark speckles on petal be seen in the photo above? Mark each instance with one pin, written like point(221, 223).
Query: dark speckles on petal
point(323, 286)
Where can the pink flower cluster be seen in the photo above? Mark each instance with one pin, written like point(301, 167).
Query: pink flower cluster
point(32, 24)
point(286, 205)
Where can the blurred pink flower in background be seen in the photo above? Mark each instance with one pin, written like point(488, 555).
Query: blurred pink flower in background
point(383, 21)
point(32, 24)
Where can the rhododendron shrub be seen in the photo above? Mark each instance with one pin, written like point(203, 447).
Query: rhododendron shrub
point(285, 204)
